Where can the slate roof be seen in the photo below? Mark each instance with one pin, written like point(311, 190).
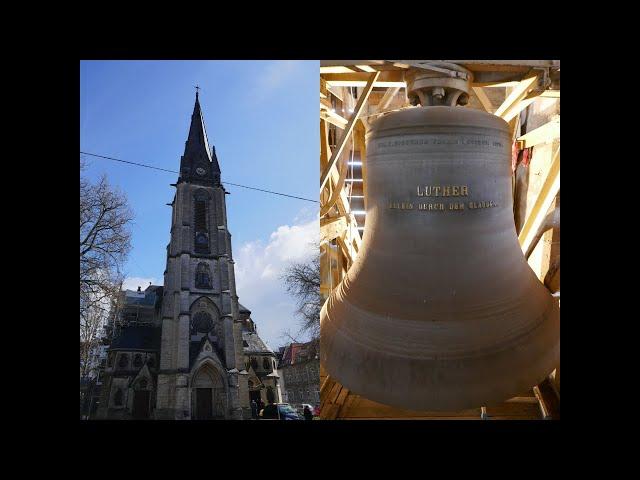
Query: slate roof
point(243, 309)
point(254, 343)
point(139, 337)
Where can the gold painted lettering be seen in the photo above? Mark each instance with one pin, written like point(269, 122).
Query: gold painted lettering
point(455, 191)
point(464, 191)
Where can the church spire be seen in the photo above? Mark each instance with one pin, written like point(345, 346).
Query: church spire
point(198, 155)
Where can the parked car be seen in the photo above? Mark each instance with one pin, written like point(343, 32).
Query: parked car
point(280, 411)
point(315, 410)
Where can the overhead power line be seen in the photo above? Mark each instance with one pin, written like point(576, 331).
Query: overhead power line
point(174, 171)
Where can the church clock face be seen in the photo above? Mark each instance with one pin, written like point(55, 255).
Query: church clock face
point(200, 171)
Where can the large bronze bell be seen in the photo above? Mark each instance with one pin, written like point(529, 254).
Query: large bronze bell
point(440, 310)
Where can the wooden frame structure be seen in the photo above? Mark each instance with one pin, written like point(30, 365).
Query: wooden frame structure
point(353, 93)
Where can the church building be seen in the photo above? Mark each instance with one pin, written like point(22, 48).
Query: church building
point(188, 350)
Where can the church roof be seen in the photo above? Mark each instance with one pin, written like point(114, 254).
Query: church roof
point(252, 343)
point(138, 337)
point(243, 309)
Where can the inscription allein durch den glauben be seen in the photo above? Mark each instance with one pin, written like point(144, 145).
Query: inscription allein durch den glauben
point(440, 206)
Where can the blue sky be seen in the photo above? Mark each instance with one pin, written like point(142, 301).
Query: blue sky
point(262, 118)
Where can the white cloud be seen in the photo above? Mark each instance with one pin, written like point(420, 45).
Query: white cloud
point(132, 283)
point(258, 269)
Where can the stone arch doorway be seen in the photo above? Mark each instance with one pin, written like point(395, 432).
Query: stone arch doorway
point(208, 394)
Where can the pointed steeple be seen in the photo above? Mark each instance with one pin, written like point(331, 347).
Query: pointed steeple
point(198, 155)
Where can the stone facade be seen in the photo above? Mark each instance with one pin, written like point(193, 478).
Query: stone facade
point(178, 351)
point(300, 367)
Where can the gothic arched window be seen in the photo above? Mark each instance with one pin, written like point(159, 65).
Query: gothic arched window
point(265, 363)
point(202, 323)
point(124, 361)
point(151, 362)
point(137, 360)
point(201, 199)
point(143, 383)
point(118, 398)
point(203, 278)
point(254, 363)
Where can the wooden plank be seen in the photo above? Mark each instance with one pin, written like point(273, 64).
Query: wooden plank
point(510, 104)
point(543, 134)
point(484, 100)
point(347, 133)
point(538, 213)
point(331, 228)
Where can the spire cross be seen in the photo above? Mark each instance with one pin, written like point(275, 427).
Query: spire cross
point(197, 87)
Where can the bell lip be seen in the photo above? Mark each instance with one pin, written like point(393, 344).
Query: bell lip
point(437, 116)
point(532, 366)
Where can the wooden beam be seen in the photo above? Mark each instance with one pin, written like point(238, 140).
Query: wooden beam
point(365, 68)
point(551, 94)
point(511, 105)
point(394, 78)
point(337, 69)
point(548, 192)
point(331, 228)
point(484, 100)
point(364, 95)
point(544, 411)
point(332, 117)
point(546, 133)
point(386, 98)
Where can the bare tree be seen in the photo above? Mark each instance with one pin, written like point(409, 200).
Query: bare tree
point(302, 281)
point(105, 240)
point(91, 324)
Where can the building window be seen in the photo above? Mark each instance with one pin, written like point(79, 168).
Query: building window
point(124, 361)
point(254, 363)
point(151, 362)
point(202, 323)
point(201, 230)
point(265, 363)
point(137, 360)
point(118, 398)
point(143, 383)
point(203, 278)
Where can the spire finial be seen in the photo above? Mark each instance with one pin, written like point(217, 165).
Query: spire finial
point(197, 87)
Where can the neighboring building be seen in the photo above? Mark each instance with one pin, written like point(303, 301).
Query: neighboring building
point(91, 383)
point(180, 351)
point(300, 367)
point(260, 362)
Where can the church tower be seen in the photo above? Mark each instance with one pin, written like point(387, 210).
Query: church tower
point(202, 370)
